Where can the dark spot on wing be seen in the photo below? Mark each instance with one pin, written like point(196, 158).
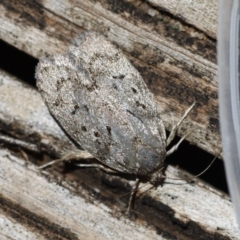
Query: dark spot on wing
point(140, 105)
point(96, 134)
point(76, 107)
point(134, 115)
point(57, 102)
point(121, 76)
point(115, 86)
point(84, 128)
point(86, 108)
point(134, 90)
point(59, 83)
point(109, 130)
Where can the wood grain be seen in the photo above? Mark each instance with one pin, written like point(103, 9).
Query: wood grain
point(81, 203)
point(173, 45)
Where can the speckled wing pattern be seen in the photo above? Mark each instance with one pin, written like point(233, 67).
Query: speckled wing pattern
point(102, 102)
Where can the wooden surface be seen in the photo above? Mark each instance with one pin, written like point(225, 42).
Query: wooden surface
point(176, 54)
point(33, 206)
point(52, 211)
point(80, 203)
point(201, 14)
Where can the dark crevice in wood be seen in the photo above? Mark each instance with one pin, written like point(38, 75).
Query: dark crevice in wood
point(17, 63)
point(165, 24)
point(41, 225)
point(195, 160)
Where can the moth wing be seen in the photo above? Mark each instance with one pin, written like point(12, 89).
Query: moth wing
point(122, 85)
point(84, 113)
point(102, 102)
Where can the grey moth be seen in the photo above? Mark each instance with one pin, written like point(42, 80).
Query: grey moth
point(102, 102)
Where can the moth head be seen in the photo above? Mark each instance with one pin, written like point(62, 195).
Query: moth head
point(156, 176)
point(150, 161)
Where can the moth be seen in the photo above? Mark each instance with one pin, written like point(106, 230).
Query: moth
point(102, 102)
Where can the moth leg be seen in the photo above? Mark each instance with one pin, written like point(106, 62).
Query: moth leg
point(105, 169)
point(68, 156)
point(133, 191)
point(176, 127)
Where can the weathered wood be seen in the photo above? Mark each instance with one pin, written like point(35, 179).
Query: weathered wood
point(24, 116)
point(33, 207)
point(177, 61)
point(53, 211)
point(77, 205)
point(202, 14)
point(10, 229)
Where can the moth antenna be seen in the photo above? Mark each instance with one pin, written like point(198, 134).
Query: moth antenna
point(201, 173)
point(198, 175)
point(176, 127)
